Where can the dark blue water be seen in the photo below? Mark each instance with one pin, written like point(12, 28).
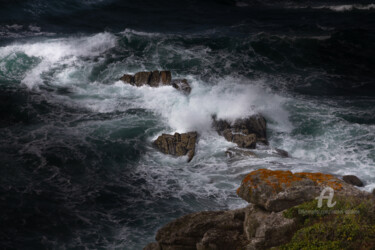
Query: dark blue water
point(77, 166)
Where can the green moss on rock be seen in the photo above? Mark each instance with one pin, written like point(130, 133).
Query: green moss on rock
point(350, 224)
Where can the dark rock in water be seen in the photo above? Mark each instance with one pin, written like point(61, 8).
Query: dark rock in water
point(254, 124)
point(154, 79)
point(165, 77)
point(245, 132)
point(141, 78)
point(353, 180)
point(282, 153)
point(182, 85)
point(278, 190)
point(127, 79)
point(232, 152)
point(177, 144)
point(245, 141)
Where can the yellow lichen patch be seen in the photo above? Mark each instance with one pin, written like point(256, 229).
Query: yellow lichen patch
point(279, 180)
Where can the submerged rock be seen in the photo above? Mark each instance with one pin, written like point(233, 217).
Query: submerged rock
point(353, 180)
point(232, 152)
point(244, 132)
point(177, 144)
point(278, 190)
point(282, 153)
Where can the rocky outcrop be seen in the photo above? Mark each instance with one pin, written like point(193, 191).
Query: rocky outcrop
point(353, 180)
point(244, 132)
point(246, 228)
point(262, 224)
point(203, 230)
point(177, 144)
point(156, 79)
point(265, 229)
point(278, 190)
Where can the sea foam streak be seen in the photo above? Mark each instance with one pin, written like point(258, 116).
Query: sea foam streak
point(58, 52)
point(337, 8)
point(346, 7)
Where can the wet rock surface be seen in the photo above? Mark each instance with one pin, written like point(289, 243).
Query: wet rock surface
point(155, 79)
point(182, 85)
point(177, 144)
point(244, 132)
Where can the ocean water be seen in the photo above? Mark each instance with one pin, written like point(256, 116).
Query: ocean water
point(77, 166)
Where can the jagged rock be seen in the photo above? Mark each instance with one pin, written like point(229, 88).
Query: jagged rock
point(353, 180)
point(278, 190)
point(165, 77)
point(245, 228)
point(220, 239)
point(242, 140)
point(253, 227)
point(282, 153)
point(267, 229)
point(204, 230)
point(245, 141)
point(243, 131)
point(127, 79)
point(141, 78)
point(177, 144)
point(182, 85)
point(231, 152)
point(154, 79)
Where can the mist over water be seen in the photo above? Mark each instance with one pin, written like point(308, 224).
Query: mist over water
point(77, 165)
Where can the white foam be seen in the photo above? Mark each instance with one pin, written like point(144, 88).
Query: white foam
point(338, 8)
point(59, 52)
point(347, 7)
point(229, 98)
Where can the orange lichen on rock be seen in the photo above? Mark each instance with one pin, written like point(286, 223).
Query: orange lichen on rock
point(322, 179)
point(279, 180)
